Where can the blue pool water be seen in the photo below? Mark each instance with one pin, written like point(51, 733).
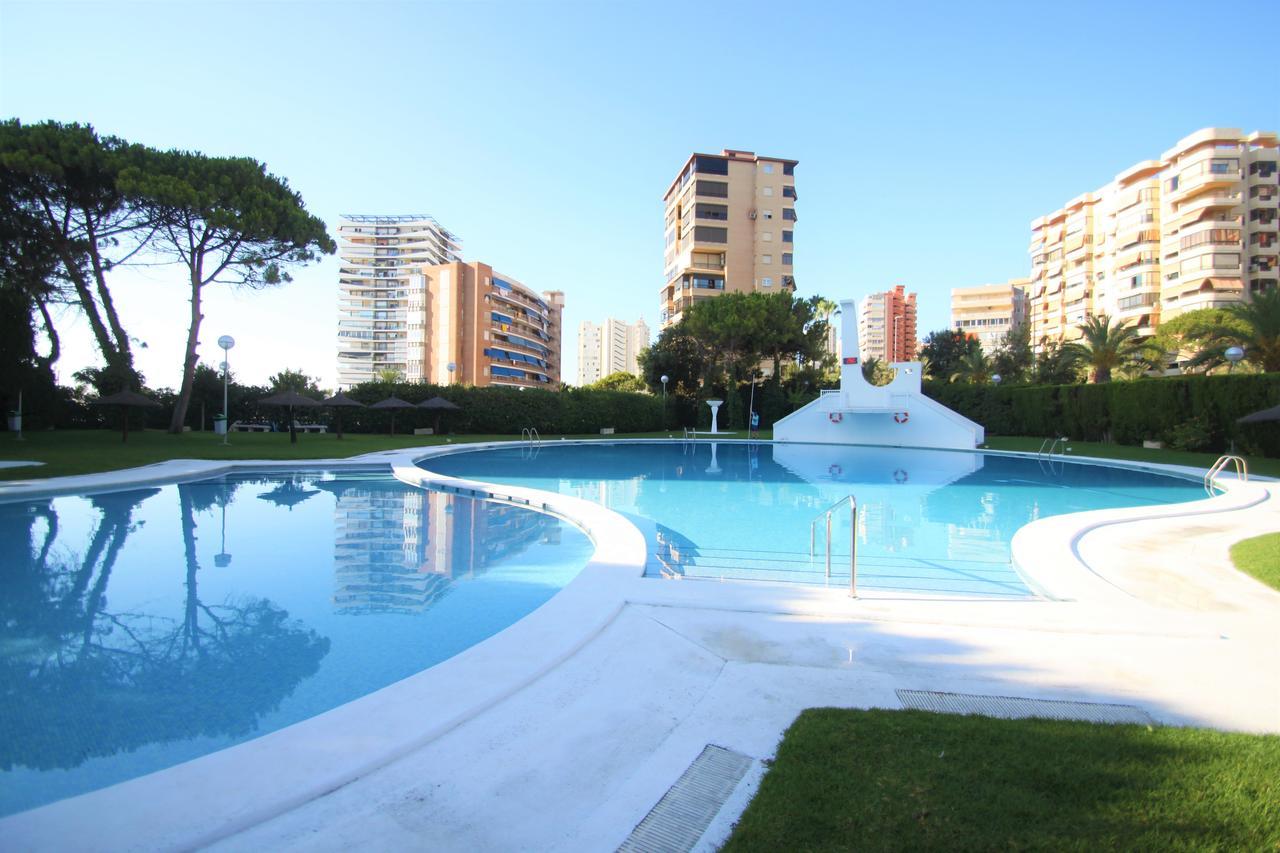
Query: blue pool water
point(143, 628)
point(935, 522)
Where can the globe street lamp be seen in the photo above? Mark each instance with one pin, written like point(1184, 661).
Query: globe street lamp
point(1234, 355)
point(664, 377)
point(226, 342)
point(995, 378)
point(451, 366)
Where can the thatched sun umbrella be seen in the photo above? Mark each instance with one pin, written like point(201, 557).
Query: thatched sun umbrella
point(338, 402)
point(290, 399)
point(126, 400)
point(439, 405)
point(394, 404)
point(1271, 414)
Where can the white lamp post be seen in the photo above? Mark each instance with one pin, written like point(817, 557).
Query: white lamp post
point(995, 378)
point(451, 367)
point(1234, 355)
point(226, 342)
point(664, 378)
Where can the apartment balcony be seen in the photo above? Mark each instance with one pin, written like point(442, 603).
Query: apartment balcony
point(1188, 187)
point(1260, 225)
point(1226, 202)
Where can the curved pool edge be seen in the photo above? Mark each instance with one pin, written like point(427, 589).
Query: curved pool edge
point(217, 795)
point(198, 802)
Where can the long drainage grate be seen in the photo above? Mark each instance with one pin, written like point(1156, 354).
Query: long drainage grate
point(687, 809)
point(1013, 707)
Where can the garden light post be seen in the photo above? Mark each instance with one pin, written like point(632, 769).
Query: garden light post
point(1234, 355)
point(995, 379)
point(226, 342)
point(664, 377)
point(451, 367)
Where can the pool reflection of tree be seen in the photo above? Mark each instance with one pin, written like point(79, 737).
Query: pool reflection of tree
point(82, 681)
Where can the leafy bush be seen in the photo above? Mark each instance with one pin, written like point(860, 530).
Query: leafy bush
point(1193, 434)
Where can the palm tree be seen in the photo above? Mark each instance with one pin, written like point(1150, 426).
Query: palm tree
point(1104, 347)
point(973, 367)
point(1256, 330)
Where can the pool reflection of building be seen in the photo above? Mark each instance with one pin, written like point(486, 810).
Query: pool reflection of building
point(399, 550)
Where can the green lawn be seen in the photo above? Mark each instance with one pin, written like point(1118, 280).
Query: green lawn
point(1260, 557)
point(88, 451)
point(911, 780)
point(1257, 464)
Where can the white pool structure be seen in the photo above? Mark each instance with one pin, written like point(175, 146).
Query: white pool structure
point(563, 730)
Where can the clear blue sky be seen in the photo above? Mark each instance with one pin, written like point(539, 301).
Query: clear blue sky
point(544, 134)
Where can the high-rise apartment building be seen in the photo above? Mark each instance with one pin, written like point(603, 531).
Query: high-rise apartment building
point(380, 257)
point(887, 325)
point(1196, 228)
point(730, 227)
point(990, 311)
point(612, 347)
point(438, 321)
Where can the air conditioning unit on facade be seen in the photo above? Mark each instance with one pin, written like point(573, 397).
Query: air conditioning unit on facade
point(752, 214)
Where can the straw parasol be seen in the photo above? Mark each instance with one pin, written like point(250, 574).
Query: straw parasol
point(1271, 414)
point(439, 405)
point(394, 404)
point(288, 493)
point(126, 399)
point(290, 399)
point(339, 401)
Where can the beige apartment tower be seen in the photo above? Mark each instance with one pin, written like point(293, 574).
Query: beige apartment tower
point(730, 227)
point(610, 347)
point(989, 312)
point(1196, 228)
point(408, 303)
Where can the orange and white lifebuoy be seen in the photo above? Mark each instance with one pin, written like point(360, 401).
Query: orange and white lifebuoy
point(900, 476)
point(835, 417)
point(901, 417)
point(835, 470)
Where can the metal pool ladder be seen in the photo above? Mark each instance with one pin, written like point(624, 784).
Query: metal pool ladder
point(530, 434)
point(853, 538)
point(1242, 470)
point(1049, 445)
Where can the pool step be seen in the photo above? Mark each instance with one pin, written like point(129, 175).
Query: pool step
point(916, 574)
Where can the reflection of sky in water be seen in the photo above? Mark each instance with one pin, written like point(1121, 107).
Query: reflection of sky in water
point(930, 521)
point(335, 586)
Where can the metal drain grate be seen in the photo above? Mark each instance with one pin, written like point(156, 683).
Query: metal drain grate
point(687, 809)
point(1013, 707)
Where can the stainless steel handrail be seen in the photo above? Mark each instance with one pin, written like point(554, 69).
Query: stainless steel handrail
point(1052, 443)
point(1242, 470)
point(530, 434)
point(853, 539)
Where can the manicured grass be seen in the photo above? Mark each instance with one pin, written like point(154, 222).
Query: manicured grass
point(87, 451)
point(1257, 464)
point(1260, 557)
point(911, 780)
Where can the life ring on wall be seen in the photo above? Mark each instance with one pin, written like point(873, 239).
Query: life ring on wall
point(835, 470)
point(899, 476)
point(901, 417)
point(835, 417)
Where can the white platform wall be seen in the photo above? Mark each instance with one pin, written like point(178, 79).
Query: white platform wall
point(897, 414)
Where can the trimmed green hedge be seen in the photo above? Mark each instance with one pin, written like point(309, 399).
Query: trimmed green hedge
point(494, 410)
point(1164, 409)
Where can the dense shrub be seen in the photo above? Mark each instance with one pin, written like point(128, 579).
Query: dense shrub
point(1199, 410)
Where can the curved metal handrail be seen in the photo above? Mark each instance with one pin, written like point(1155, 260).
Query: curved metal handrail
point(1241, 466)
point(853, 539)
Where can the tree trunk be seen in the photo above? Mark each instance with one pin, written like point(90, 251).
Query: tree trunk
point(189, 363)
point(104, 296)
point(55, 345)
point(90, 308)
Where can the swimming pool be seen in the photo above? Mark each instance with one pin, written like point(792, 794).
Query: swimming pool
point(930, 522)
point(147, 627)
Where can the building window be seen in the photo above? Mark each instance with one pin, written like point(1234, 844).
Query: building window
point(711, 211)
point(766, 191)
point(766, 214)
point(715, 189)
point(788, 168)
point(789, 213)
point(788, 236)
point(710, 165)
point(786, 259)
point(766, 259)
point(766, 282)
point(709, 234)
point(766, 236)
point(767, 168)
point(788, 192)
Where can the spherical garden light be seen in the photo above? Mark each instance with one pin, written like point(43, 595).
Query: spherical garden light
point(995, 378)
point(1234, 355)
point(226, 342)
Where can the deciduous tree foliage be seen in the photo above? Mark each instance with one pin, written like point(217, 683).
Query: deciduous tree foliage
point(943, 350)
point(227, 220)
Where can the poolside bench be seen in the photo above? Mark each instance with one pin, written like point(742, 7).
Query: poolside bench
point(242, 426)
point(310, 427)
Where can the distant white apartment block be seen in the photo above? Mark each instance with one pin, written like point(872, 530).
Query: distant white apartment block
point(990, 311)
point(610, 347)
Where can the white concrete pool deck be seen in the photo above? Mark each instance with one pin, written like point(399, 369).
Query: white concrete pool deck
point(563, 731)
